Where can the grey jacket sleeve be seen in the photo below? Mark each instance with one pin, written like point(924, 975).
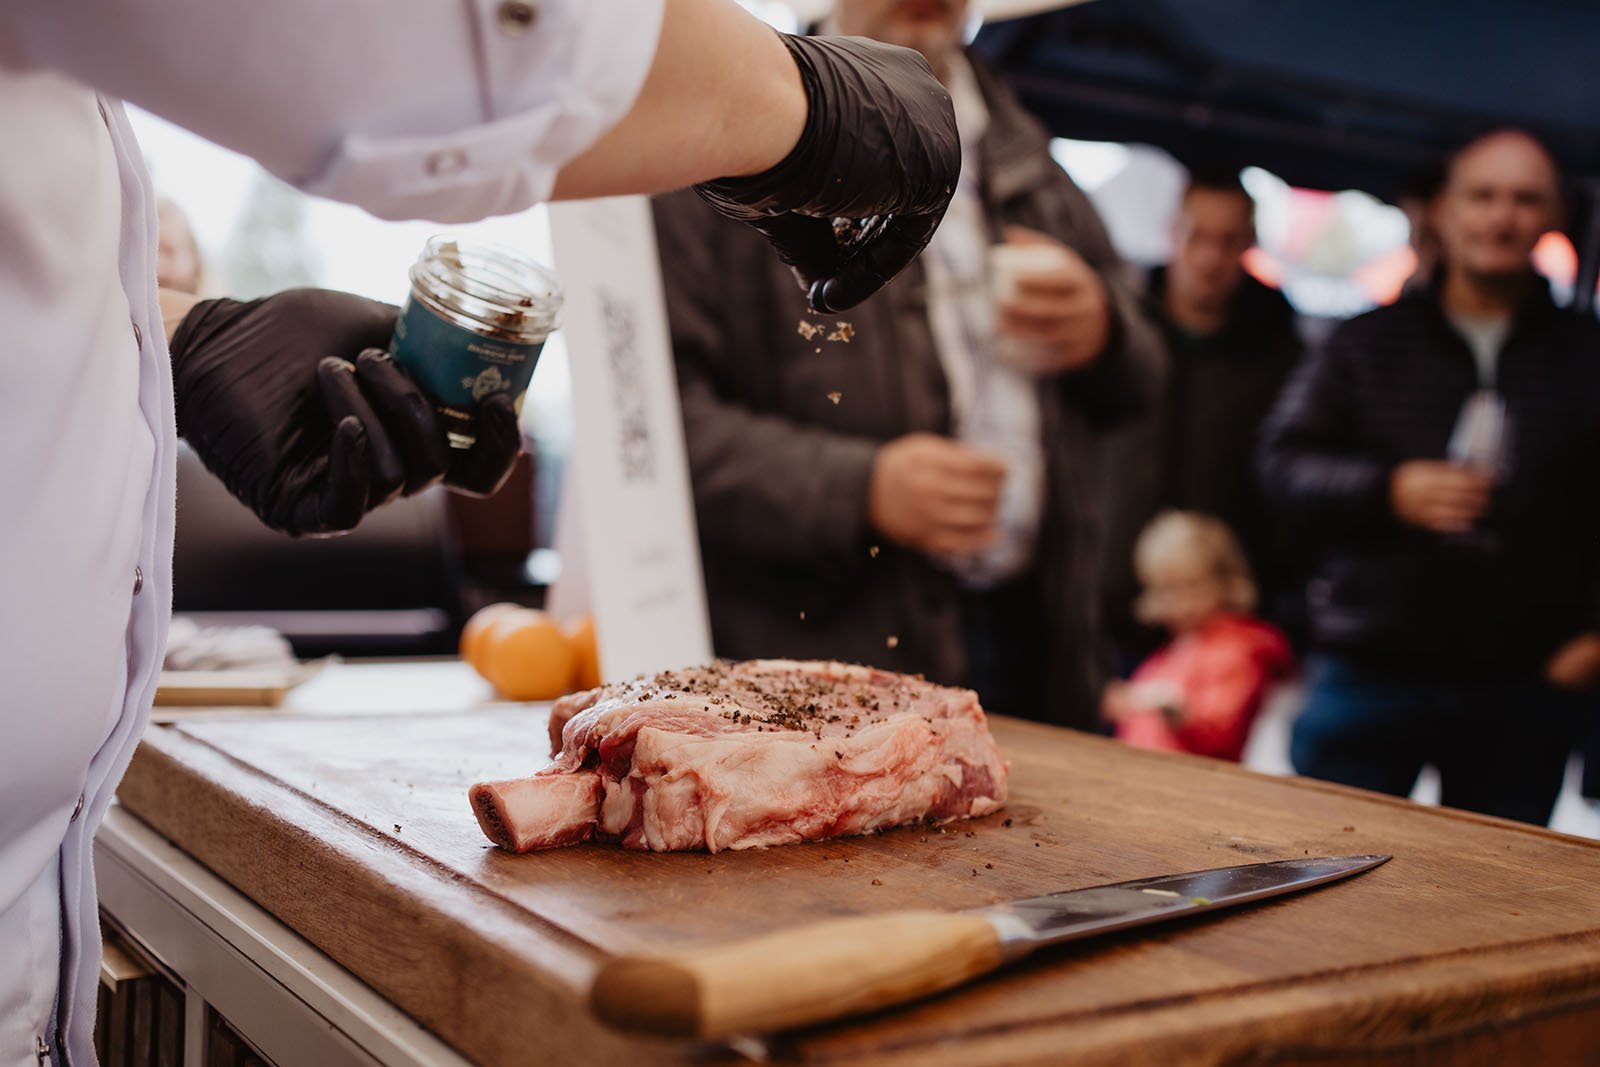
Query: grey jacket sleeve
point(1311, 468)
point(763, 485)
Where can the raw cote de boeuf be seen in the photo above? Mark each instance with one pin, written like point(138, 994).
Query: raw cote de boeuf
point(745, 755)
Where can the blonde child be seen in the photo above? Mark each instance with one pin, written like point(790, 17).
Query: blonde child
point(1202, 690)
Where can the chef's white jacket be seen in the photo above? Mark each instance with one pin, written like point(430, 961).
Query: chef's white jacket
point(449, 111)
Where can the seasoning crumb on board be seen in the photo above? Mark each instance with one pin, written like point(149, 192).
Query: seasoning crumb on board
point(1006, 823)
point(396, 827)
point(974, 872)
point(1349, 829)
point(877, 881)
point(988, 866)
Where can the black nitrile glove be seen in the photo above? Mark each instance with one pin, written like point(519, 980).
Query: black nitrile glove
point(268, 396)
point(879, 150)
point(477, 471)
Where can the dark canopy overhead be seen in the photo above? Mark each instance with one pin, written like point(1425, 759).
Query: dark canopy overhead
point(1355, 94)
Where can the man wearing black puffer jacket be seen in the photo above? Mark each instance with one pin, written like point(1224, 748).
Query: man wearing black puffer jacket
point(1443, 454)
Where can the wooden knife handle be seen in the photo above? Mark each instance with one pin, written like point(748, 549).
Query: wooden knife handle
point(793, 977)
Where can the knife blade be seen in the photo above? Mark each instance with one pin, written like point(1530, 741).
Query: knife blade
point(844, 967)
point(1031, 923)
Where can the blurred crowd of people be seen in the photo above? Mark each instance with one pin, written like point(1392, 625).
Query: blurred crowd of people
point(1130, 504)
point(1114, 503)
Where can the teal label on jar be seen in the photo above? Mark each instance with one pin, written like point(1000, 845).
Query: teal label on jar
point(457, 366)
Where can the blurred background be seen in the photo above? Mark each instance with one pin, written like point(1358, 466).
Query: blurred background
point(1329, 111)
point(1332, 115)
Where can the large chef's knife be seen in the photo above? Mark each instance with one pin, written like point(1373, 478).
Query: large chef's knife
point(847, 966)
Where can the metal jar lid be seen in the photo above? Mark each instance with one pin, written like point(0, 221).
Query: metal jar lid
point(490, 289)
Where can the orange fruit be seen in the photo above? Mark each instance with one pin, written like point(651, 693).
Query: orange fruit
point(580, 632)
point(528, 657)
point(473, 633)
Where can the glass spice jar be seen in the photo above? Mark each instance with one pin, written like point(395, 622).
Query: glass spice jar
point(473, 325)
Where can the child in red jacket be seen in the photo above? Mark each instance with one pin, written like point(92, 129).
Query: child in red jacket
point(1202, 690)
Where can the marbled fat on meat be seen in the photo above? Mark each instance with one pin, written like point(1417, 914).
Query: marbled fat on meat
point(744, 755)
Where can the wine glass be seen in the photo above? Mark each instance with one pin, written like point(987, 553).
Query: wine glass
point(1480, 441)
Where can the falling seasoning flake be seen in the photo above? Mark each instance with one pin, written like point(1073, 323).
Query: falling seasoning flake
point(842, 331)
point(835, 396)
point(893, 641)
point(872, 550)
point(802, 616)
point(808, 330)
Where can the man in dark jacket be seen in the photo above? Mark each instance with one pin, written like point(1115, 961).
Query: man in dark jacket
point(1444, 453)
point(1231, 344)
point(882, 488)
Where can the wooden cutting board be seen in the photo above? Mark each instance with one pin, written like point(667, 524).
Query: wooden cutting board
point(1478, 944)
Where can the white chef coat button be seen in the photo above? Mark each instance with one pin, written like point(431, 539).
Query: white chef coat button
point(77, 809)
point(138, 579)
point(445, 162)
point(516, 16)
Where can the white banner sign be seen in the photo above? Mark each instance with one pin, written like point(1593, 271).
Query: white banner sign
point(629, 535)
